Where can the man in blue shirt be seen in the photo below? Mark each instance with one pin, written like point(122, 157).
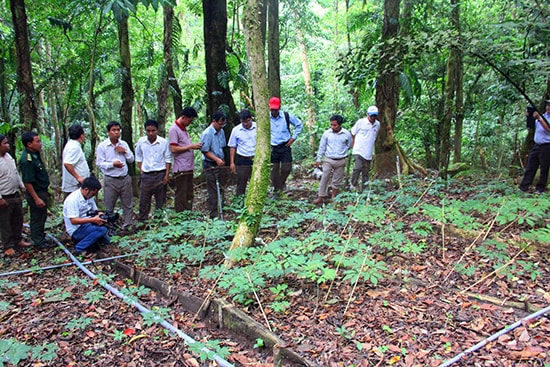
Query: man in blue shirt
point(213, 142)
point(281, 141)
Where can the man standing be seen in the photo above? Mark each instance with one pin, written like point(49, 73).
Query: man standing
point(154, 160)
point(184, 160)
point(335, 144)
point(36, 181)
point(539, 155)
point(281, 141)
point(213, 142)
point(242, 148)
point(85, 230)
point(11, 203)
point(113, 156)
point(75, 166)
point(364, 134)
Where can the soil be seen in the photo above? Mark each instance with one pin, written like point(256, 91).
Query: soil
point(421, 313)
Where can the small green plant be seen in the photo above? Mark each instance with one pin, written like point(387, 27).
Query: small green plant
point(118, 335)
point(344, 332)
point(259, 343)
point(387, 329)
point(29, 294)
point(80, 323)
point(156, 316)
point(174, 268)
point(94, 296)
point(206, 351)
point(11, 351)
point(4, 306)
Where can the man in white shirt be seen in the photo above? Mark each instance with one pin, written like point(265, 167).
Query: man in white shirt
point(11, 201)
point(364, 134)
point(112, 157)
point(86, 231)
point(154, 161)
point(242, 148)
point(75, 166)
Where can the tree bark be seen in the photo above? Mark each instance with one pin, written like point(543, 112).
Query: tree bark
point(174, 88)
point(273, 49)
point(127, 89)
point(215, 45)
point(309, 89)
point(28, 111)
point(249, 223)
point(162, 94)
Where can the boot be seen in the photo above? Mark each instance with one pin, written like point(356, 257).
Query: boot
point(320, 200)
point(334, 193)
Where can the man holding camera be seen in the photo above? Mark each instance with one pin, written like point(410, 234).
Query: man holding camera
point(539, 155)
point(87, 232)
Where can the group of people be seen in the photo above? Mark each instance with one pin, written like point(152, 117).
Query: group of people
point(156, 157)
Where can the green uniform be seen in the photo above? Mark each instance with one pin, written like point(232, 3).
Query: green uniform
point(34, 172)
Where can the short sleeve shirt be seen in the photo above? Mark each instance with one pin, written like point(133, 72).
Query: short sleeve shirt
point(76, 206)
point(213, 141)
point(33, 171)
point(73, 154)
point(184, 161)
point(243, 140)
point(365, 134)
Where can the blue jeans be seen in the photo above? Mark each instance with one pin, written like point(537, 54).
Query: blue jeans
point(88, 234)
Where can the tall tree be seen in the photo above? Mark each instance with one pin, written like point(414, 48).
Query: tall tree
point(273, 48)
point(215, 46)
point(126, 74)
point(249, 223)
point(28, 110)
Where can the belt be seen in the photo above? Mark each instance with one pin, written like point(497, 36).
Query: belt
point(117, 177)
point(153, 172)
point(337, 159)
point(540, 145)
point(11, 196)
point(245, 157)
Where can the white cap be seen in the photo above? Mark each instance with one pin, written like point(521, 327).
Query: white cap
point(372, 110)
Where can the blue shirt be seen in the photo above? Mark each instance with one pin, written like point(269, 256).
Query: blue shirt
point(244, 140)
point(213, 141)
point(279, 129)
point(541, 135)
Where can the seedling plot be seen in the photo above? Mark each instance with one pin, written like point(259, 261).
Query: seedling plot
point(408, 277)
point(59, 317)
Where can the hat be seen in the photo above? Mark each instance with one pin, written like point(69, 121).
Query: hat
point(274, 103)
point(372, 110)
point(547, 101)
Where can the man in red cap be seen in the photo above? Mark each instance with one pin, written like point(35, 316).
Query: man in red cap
point(281, 140)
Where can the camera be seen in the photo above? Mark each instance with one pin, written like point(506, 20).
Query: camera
point(110, 216)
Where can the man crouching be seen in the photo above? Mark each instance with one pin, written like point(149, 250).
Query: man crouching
point(85, 231)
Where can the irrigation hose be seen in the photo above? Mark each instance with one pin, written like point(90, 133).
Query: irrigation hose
point(189, 340)
point(39, 269)
point(494, 337)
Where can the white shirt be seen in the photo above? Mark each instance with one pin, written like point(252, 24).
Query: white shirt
point(73, 154)
point(244, 140)
point(106, 155)
point(76, 206)
point(10, 181)
point(153, 156)
point(365, 134)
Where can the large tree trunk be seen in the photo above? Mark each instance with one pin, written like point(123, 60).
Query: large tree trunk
point(127, 89)
point(174, 88)
point(249, 223)
point(28, 112)
point(454, 77)
point(215, 46)
point(273, 49)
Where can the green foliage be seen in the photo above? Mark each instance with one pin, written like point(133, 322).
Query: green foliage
point(13, 352)
point(206, 351)
point(156, 315)
point(80, 323)
point(94, 296)
point(4, 306)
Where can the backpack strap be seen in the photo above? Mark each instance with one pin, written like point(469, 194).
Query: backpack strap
point(287, 119)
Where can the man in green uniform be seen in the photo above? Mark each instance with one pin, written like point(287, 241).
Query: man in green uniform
point(36, 181)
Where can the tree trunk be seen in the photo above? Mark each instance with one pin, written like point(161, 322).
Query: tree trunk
point(309, 89)
point(127, 89)
point(215, 45)
point(28, 112)
point(174, 89)
point(454, 77)
point(273, 49)
point(162, 94)
point(249, 223)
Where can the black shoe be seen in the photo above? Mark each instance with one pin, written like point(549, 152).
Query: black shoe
point(44, 245)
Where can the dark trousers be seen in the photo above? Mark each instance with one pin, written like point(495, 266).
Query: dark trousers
point(538, 157)
point(150, 184)
point(244, 171)
point(361, 167)
point(281, 158)
point(11, 221)
point(183, 199)
point(212, 176)
point(38, 217)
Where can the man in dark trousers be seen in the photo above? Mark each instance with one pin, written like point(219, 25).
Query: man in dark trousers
point(36, 181)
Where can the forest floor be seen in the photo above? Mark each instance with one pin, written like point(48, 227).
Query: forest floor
point(409, 276)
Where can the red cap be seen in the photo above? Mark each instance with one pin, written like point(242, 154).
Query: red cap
point(274, 103)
